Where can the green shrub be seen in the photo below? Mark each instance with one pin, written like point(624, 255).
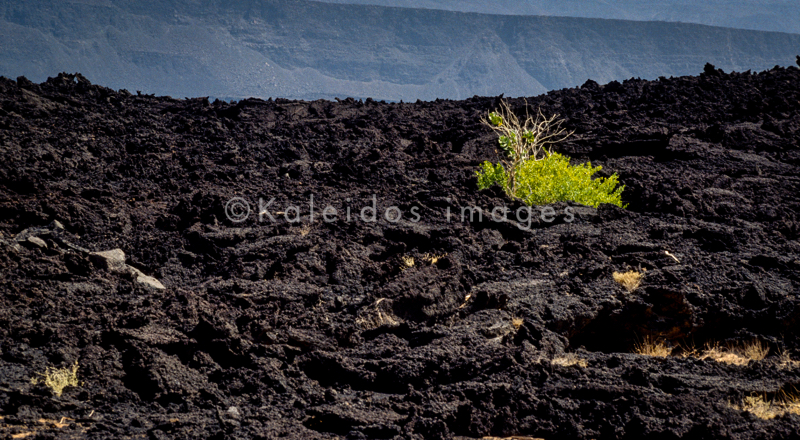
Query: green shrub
point(491, 175)
point(553, 179)
point(534, 174)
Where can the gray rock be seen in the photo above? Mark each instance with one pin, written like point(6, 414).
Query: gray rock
point(147, 280)
point(36, 241)
point(11, 246)
point(113, 260)
point(234, 412)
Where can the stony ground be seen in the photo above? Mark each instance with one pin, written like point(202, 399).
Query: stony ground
point(121, 251)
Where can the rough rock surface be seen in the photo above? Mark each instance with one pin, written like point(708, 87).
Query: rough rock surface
point(315, 329)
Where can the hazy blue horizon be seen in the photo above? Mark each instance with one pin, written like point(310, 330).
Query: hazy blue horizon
point(763, 15)
point(302, 49)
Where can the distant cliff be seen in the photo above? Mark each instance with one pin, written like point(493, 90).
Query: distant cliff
point(309, 50)
point(760, 15)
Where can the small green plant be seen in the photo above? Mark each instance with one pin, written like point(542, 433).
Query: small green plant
point(531, 172)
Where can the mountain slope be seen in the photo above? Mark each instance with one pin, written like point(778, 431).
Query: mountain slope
point(309, 50)
point(762, 15)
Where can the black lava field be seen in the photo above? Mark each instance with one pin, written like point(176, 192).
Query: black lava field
point(318, 270)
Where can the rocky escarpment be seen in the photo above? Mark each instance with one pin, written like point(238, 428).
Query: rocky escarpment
point(309, 50)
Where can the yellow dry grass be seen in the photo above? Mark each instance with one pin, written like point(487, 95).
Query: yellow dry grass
point(787, 363)
point(407, 262)
point(630, 280)
point(304, 230)
point(433, 258)
point(736, 355)
point(766, 409)
point(50, 429)
point(59, 378)
point(513, 437)
point(377, 315)
point(569, 360)
point(652, 347)
point(755, 350)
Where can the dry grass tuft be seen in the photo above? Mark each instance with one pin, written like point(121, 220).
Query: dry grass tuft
point(630, 280)
point(377, 315)
point(755, 350)
point(407, 261)
point(513, 437)
point(736, 355)
point(59, 378)
point(466, 301)
point(787, 363)
point(48, 428)
point(652, 347)
point(433, 258)
point(765, 409)
point(720, 354)
point(757, 406)
point(304, 230)
point(569, 360)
